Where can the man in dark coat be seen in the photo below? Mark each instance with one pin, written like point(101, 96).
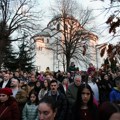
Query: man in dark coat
point(6, 81)
point(60, 100)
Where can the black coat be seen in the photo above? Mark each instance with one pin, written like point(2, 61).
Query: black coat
point(7, 85)
point(62, 105)
point(93, 111)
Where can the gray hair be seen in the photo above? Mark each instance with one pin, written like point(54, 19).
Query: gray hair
point(77, 76)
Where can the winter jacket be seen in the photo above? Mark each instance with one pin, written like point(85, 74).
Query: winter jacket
point(115, 95)
point(71, 94)
point(61, 103)
point(9, 110)
point(30, 112)
point(7, 85)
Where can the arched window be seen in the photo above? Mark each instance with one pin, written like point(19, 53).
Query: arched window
point(40, 48)
point(66, 27)
point(58, 26)
point(42, 40)
point(47, 40)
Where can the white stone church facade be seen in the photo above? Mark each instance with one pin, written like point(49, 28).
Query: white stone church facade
point(46, 57)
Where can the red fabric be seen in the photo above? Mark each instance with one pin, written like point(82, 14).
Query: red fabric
point(66, 86)
point(90, 69)
point(6, 91)
point(11, 110)
point(85, 115)
point(95, 102)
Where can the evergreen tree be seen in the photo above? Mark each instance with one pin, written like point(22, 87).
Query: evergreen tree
point(4, 40)
point(10, 60)
point(26, 55)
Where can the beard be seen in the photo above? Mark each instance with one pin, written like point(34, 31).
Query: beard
point(12, 86)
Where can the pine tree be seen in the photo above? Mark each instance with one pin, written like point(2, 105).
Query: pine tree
point(26, 55)
point(10, 60)
point(4, 40)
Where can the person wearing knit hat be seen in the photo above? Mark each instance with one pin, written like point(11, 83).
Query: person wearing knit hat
point(6, 91)
point(9, 109)
point(4, 94)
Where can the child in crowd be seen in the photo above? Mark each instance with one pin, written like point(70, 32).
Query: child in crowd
point(30, 110)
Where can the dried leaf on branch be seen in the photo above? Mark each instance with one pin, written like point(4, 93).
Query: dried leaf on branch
point(102, 51)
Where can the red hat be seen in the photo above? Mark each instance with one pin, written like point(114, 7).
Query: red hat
point(6, 91)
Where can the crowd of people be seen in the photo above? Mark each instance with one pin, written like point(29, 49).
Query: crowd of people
point(72, 95)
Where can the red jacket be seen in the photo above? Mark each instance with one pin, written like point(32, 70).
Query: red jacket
point(9, 110)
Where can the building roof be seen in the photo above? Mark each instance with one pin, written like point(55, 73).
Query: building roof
point(89, 34)
point(43, 33)
point(59, 16)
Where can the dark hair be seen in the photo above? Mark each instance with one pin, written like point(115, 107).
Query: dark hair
point(49, 100)
point(117, 79)
point(79, 100)
point(35, 93)
point(16, 78)
point(53, 81)
point(106, 109)
point(48, 81)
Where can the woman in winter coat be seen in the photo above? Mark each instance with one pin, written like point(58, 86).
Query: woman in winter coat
point(9, 109)
point(105, 88)
point(45, 89)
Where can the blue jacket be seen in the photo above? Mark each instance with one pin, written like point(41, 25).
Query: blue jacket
point(115, 95)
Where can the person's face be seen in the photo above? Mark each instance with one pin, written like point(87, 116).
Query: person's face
point(25, 75)
point(65, 81)
point(3, 73)
point(85, 95)
point(72, 64)
point(118, 85)
point(21, 72)
point(32, 78)
point(45, 112)
point(21, 83)
point(90, 65)
point(106, 77)
point(77, 81)
point(11, 75)
point(115, 116)
point(14, 83)
point(3, 97)
point(6, 77)
point(118, 73)
point(38, 84)
point(68, 75)
point(89, 78)
point(17, 74)
point(92, 73)
point(54, 87)
point(45, 83)
point(49, 77)
point(32, 98)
